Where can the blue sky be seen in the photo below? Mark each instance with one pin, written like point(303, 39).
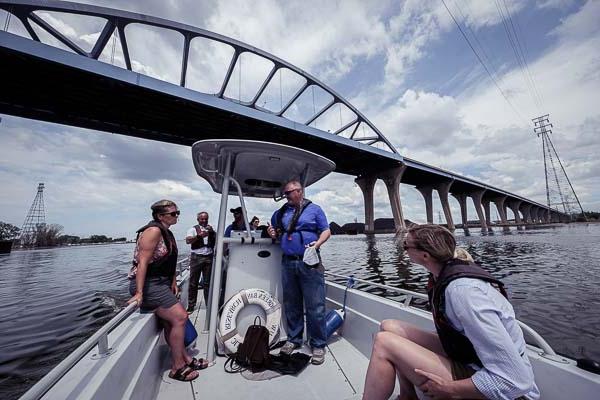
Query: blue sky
point(403, 64)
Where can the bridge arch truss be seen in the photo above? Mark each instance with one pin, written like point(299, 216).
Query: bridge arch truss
point(44, 22)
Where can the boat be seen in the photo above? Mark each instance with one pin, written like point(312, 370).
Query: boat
point(128, 357)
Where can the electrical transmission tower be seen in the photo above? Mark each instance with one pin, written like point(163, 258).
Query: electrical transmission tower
point(35, 219)
point(560, 194)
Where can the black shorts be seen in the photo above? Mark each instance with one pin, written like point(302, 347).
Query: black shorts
point(460, 370)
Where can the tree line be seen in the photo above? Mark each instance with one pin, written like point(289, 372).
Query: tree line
point(50, 235)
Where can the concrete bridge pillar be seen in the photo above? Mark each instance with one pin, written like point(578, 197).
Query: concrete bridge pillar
point(477, 197)
point(501, 206)
point(485, 203)
point(499, 202)
point(462, 201)
point(555, 217)
point(534, 214)
point(392, 179)
point(367, 185)
point(526, 210)
point(514, 206)
point(547, 216)
point(427, 192)
point(542, 215)
point(443, 189)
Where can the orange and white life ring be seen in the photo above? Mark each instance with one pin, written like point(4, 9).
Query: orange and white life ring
point(228, 331)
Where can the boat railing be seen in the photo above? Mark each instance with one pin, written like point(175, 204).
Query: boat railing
point(410, 295)
point(538, 340)
point(99, 339)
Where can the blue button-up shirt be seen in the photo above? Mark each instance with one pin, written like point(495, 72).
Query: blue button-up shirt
point(311, 224)
point(482, 314)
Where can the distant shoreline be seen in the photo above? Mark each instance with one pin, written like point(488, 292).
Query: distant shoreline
point(70, 245)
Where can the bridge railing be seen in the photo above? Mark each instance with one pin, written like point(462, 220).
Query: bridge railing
point(252, 78)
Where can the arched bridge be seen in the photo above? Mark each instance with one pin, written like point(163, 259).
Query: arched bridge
point(89, 67)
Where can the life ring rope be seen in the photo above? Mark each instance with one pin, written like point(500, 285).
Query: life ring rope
point(228, 331)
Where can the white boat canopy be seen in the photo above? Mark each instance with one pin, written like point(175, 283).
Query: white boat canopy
point(260, 168)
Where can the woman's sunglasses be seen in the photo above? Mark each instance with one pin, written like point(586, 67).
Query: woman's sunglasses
point(172, 214)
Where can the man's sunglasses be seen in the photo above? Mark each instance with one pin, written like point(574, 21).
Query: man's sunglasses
point(288, 192)
point(172, 214)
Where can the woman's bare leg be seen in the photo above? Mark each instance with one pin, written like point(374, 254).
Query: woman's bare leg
point(393, 354)
point(427, 339)
point(175, 316)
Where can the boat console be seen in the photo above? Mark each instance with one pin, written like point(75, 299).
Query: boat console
point(249, 169)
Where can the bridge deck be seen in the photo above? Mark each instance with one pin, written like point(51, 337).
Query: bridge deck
point(50, 84)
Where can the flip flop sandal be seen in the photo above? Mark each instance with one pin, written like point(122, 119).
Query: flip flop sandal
point(182, 374)
point(198, 363)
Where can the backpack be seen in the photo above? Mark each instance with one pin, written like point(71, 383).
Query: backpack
point(253, 352)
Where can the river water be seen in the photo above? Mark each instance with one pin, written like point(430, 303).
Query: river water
point(52, 300)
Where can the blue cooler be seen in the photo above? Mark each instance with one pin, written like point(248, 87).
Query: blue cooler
point(333, 320)
point(190, 333)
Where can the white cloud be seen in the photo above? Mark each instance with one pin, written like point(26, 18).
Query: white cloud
point(580, 25)
point(330, 36)
point(554, 3)
point(421, 120)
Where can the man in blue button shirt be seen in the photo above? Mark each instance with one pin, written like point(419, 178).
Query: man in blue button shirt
point(298, 225)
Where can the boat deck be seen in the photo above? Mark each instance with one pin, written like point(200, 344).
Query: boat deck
point(341, 376)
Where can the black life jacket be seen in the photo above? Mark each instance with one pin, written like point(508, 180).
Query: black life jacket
point(294, 221)
point(457, 346)
point(167, 264)
point(198, 244)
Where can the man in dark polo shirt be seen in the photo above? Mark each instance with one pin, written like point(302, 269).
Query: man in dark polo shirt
point(298, 225)
point(238, 222)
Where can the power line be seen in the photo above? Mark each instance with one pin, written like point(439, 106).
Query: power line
point(482, 63)
point(515, 44)
point(474, 35)
point(538, 94)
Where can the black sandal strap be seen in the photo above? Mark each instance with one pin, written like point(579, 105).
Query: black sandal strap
point(182, 373)
point(198, 364)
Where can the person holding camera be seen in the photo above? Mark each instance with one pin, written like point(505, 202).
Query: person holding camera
point(202, 238)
